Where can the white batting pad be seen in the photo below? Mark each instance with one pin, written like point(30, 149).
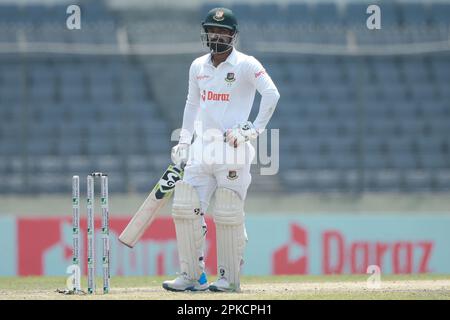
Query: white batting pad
point(230, 232)
point(190, 229)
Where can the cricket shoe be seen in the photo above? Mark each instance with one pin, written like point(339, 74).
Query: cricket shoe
point(222, 285)
point(184, 283)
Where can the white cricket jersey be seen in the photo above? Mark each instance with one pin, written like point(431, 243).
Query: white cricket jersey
point(222, 97)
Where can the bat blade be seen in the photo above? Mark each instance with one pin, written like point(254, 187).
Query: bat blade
point(147, 212)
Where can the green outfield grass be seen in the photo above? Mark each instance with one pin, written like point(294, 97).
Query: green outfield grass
point(253, 287)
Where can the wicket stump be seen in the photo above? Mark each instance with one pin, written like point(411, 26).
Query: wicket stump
point(90, 199)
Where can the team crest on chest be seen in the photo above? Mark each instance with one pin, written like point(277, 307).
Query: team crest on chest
point(230, 77)
point(232, 175)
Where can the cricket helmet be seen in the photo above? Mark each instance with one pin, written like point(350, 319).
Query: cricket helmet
point(222, 18)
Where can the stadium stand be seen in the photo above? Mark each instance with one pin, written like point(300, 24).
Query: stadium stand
point(349, 123)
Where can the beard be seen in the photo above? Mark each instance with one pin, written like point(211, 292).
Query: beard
point(219, 46)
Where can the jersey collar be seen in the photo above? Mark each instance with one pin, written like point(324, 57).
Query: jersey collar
point(231, 59)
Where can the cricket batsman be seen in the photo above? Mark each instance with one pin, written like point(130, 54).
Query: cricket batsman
point(222, 86)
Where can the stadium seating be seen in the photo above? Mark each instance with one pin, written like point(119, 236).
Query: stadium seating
point(348, 123)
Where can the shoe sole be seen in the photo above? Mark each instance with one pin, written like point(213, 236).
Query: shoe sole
point(172, 289)
point(217, 289)
point(165, 286)
point(194, 289)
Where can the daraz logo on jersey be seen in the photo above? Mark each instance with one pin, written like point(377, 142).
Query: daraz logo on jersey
point(212, 96)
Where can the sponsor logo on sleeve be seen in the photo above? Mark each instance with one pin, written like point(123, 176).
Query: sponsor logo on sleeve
point(260, 73)
point(202, 77)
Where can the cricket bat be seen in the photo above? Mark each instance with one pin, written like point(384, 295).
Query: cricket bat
point(147, 212)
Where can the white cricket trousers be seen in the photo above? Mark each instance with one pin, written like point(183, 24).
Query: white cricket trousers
point(216, 164)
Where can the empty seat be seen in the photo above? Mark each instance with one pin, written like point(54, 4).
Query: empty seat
point(422, 94)
point(111, 114)
point(138, 163)
point(155, 145)
point(375, 144)
point(342, 110)
point(382, 127)
point(42, 93)
point(428, 110)
point(72, 93)
point(49, 164)
point(326, 13)
point(40, 146)
point(417, 180)
point(390, 14)
point(413, 14)
point(439, 126)
point(392, 92)
point(439, 14)
point(410, 126)
point(375, 109)
point(77, 164)
point(12, 114)
point(385, 67)
point(415, 70)
point(67, 147)
point(142, 181)
point(404, 110)
point(288, 162)
point(443, 91)
point(102, 93)
point(370, 92)
point(51, 113)
point(299, 13)
point(428, 145)
point(127, 144)
point(96, 146)
point(337, 93)
point(342, 144)
point(11, 94)
point(328, 71)
point(9, 147)
point(374, 160)
point(327, 180)
point(294, 180)
point(402, 160)
point(83, 112)
point(315, 162)
point(107, 163)
point(399, 144)
point(442, 180)
point(383, 180)
point(9, 13)
point(12, 183)
point(355, 14)
point(48, 183)
point(441, 73)
point(150, 128)
point(270, 12)
point(159, 161)
point(432, 161)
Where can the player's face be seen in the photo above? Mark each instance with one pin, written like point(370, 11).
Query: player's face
point(219, 34)
point(219, 39)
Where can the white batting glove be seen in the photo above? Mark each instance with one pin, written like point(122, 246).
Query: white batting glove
point(180, 154)
point(241, 133)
